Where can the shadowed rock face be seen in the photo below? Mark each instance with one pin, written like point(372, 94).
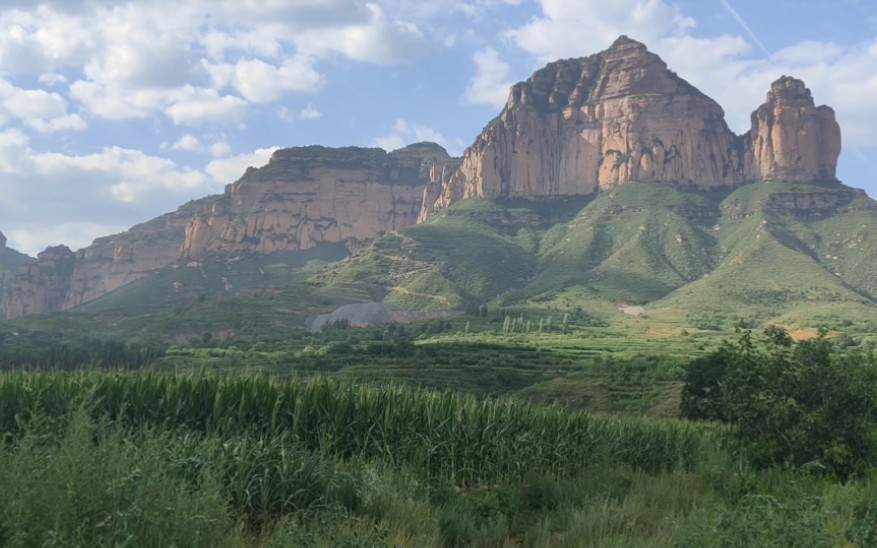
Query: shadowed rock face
point(579, 126)
point(42, 286)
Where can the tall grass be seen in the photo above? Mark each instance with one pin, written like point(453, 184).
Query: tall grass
point(444, 434)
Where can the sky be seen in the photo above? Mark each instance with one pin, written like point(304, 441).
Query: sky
point(113, 112)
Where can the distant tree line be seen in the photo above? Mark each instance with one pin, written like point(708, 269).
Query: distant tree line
point(41, 350)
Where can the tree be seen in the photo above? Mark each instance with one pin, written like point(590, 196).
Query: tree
point(792, 404)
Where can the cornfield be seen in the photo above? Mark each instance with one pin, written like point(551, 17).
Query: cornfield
point(442, 434)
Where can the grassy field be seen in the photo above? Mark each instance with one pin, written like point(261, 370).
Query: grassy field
point(151, 459)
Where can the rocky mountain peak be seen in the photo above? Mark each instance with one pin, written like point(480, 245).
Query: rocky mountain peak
point(788, 88)
point(580, 126)
point(792, 139)
point(626, 68)
point(2, 241)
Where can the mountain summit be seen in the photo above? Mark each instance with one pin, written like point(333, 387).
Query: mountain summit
point(583, 125)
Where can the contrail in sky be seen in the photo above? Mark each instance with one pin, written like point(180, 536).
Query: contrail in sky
point(743, 24)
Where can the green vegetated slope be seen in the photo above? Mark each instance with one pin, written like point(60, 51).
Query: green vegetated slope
point(635, 244)
point(247, 294)
point(768, 251)
point(782, 250)
point(795, 254)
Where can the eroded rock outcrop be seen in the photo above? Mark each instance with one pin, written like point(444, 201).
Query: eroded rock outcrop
point(792, 139)
point(308, 195)
point(115, 261)
point(304, 196)
point(42, 286)
point(582, 125)
point(579, 126)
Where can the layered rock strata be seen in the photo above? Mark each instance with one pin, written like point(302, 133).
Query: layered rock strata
point(309, 195)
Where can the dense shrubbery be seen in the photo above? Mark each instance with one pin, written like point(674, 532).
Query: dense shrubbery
point(794, 404)
point(56, 351)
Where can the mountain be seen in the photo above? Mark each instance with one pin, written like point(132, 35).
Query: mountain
point(315, 194)
point(11, 262)
point(580, 126)
point(607, 182)
point(302, 197)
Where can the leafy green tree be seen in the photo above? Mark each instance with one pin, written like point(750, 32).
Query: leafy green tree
point(793, 404)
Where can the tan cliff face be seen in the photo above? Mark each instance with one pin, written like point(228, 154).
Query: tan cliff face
point(791, 139)
point(580, 126)
point(41, 286)
point(309, 195)
point(115, 261)
point(302, 197)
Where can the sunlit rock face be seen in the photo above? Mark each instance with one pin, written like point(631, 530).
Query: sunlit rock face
point(580, 126)
point(308, 195)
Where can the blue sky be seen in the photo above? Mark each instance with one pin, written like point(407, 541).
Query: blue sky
point(112, 112)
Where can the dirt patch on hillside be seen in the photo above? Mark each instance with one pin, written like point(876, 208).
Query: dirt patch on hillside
point(632, 310)
point(804, 334)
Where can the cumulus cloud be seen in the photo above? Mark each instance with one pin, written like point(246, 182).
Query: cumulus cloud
point(404, 133)
point(230, 169)
point(490, 85)
point(43, 111)
point(572, 28)
point(195, 62)
point(310, 113)
point(113, 187)
point(262, 82)
point(381, 40)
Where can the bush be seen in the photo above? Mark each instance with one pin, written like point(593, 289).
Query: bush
point(794, 404)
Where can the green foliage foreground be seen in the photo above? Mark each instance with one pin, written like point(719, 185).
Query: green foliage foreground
point(795, 405)
point(142, 459)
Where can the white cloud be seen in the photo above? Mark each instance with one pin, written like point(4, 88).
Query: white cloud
point(31, 238)
point(219, 149)
point(261, 82)
point(43, 111)
point(310, 113)
point(192, 105)
point(190, 143)
point(134, 60)
point(230, 169)
point(491, 83)
point(405, 133)
point(113, 187)
point(573, 28)
point(68, 122)
point(52, 79)
point(379, 40)
point(187, 142)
